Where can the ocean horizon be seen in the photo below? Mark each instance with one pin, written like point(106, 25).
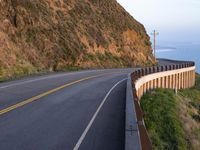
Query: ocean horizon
point(188, 52)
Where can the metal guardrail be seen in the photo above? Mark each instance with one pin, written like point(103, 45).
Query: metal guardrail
point(132, 136)
point(136, 134)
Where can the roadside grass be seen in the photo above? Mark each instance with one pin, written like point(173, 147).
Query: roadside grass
point(162, 121)
point(193, 93)
point(105, 60)
point(23, 73)
point(190, 100)
point(20, 76)
point(173, 121)
point(193, 96)
point(72, 68)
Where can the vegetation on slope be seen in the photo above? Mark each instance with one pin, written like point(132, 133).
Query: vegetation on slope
point(173, 121)
point(162, 121)
point(189, 110)
point(38, 35)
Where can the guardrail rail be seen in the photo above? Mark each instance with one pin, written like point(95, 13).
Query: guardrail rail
point(176, 76)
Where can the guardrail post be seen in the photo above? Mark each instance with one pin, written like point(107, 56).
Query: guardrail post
point(139, 73)
point(158, 69)
point(142, 72)
point(170, 67)
point(162, 68)
point(150, 70)
point(166, 68)
point(146, 71)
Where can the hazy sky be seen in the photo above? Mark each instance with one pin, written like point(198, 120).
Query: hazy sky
point(176, 20)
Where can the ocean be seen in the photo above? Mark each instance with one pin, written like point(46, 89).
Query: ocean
point(189, 52)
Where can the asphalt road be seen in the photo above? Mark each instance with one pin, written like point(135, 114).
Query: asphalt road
point(164, 62)
point(64, 111)
point(79, 110)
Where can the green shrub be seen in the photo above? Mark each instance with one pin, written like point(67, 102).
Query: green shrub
point(162, 121)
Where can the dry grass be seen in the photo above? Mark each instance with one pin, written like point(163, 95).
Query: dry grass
point(189, 111)
point(191, 126)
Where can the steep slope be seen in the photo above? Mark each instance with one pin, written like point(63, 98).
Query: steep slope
point(38, 35)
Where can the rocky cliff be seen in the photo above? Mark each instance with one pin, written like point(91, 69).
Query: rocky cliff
point(37, 35)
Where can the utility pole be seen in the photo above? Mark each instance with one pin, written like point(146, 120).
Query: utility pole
point(155, 33)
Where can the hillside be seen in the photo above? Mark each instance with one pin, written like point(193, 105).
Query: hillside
point(51, 35)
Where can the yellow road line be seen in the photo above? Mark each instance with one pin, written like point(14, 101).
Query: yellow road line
point(20, 104)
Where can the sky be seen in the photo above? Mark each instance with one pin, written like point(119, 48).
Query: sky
point(175, 20)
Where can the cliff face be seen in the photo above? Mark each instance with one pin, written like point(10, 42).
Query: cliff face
point(38, 35)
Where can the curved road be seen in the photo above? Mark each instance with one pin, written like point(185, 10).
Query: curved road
point(79, 110)
point(64, 111)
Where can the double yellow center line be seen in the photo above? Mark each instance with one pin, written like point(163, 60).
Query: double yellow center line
point(20, 104)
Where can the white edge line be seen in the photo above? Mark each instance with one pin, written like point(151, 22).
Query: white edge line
point(94, 116)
